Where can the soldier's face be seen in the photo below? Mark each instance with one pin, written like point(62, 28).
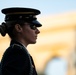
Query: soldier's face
point(30, 33)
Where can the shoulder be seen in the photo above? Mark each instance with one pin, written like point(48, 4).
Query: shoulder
point(15, 49)
point(16, 58)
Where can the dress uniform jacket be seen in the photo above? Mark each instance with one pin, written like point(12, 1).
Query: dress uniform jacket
point(17, 61)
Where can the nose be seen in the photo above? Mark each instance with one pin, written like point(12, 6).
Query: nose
point(37, 31)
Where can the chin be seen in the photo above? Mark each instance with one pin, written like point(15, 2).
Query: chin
point(33, 42)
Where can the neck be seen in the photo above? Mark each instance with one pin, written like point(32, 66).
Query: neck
point(23, 42)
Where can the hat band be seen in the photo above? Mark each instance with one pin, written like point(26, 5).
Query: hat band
point(21, 13)
point(19, 17)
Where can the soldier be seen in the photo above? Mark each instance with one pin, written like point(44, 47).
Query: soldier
point(21, 26)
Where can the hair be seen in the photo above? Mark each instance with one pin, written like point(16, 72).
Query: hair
point(8, 27)
point(3, 29)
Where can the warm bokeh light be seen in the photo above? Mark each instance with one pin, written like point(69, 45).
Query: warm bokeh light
point(57, 39)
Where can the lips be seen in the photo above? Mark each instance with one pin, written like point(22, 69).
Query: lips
point(36, 37)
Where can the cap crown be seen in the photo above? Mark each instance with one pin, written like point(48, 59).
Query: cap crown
point(20, 13)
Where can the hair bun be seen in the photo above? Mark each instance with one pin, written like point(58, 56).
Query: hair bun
point(3, 29)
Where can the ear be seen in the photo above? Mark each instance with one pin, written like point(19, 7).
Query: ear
point(18, 28)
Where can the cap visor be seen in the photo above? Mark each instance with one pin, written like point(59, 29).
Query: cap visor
point(36, 23)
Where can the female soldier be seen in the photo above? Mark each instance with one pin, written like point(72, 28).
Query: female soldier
point(21, 25)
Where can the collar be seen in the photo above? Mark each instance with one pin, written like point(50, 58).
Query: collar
point(15, 42)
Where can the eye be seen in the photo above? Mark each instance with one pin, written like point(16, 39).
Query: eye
point(33, 27)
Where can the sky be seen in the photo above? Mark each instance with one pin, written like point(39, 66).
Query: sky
point(45, 6)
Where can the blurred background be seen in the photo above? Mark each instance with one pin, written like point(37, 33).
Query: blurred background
point(55, 50)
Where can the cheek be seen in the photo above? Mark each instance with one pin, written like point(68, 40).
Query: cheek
point(29, 34)
point(30, 38)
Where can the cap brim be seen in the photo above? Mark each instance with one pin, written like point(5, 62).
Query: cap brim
point(35, 22)
point(20, 10)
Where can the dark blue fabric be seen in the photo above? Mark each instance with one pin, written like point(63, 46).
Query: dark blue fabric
point(15, 61)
